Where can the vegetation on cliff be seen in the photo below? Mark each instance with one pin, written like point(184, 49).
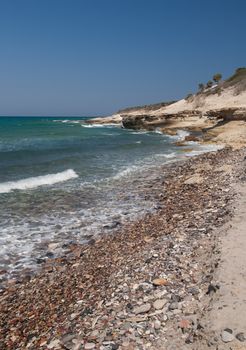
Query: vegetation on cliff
point(237, 81)
point(150, 107)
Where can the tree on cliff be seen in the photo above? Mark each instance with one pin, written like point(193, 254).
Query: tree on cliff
point(209, 84)
point(201, 87)
point(217, 77)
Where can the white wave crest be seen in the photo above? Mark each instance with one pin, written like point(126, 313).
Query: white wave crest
point(126, 172)
point(139, 132)
point(33, 182)
point(158, 131)
point(108, 125)
point(180, 135)
point(170, 155)
point(204, 149)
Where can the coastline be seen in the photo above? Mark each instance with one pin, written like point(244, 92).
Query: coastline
point(104, 297)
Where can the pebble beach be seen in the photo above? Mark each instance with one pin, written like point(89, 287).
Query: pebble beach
point(148, 285)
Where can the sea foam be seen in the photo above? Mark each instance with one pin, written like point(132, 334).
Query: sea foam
point(33, 182)
point(108, 125)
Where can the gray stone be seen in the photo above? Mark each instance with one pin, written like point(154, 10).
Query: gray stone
point(174, 306)
point(53, 344)
point(240, 336)
point(157, 324)
point(142, 309)
point(89, 346)
point(159, 304)
point(227, 336)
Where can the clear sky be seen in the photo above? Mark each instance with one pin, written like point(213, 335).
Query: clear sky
point(93, 57)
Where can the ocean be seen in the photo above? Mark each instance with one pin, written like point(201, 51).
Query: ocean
point(63, 181)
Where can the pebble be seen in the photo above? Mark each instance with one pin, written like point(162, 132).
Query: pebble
point(159, 303)
point(142, 309)
point(173, 306)
point(240, 336)
point(227, 335)
point(89, 346)
point(53, 344)
point(160, 282)
point(157, 324)
point(145, 306)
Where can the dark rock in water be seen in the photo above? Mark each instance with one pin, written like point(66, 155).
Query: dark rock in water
point(91, 242)
point(113, 225)
point(50, 255)
point(59, 227)
point(40, 261)
point(135, 122)
point(158, 207)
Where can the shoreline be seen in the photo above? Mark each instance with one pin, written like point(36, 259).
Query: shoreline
point(105, 296)
point(230, 133)
point(134, 188)
point(145, 192)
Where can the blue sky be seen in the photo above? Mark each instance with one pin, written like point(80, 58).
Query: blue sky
point(93, 57)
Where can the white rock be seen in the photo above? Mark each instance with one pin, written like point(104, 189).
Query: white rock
point(159, 303)
point(142, 309)
point(89, 346)
point(157, 324)
point(53, 344)
point(227, 336)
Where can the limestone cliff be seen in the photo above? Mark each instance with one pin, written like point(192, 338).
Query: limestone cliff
point(202, 111)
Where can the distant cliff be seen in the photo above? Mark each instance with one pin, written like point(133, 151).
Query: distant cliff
point(223, 101)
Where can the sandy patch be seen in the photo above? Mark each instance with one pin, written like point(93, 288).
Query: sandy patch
point(229, 309)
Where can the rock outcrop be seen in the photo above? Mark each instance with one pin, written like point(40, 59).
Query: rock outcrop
point(169, 123)
point(202, 112)
point(228, 114)
point(137, 122)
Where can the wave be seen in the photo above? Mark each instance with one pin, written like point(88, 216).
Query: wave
point(67, 121)
point(204, 149)
point(139, 132)
point(110, 125)
point(158, 131)
point(125, 172)
point(170, 155)
point(180, 135)
point(37, 181)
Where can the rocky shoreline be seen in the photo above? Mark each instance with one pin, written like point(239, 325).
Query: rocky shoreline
point(147, 286)
point(218, 113)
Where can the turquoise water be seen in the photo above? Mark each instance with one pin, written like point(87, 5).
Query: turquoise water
point(62, 181)
point(32, 147)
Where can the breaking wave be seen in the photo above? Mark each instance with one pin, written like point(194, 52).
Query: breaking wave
point(33, 182)
point(108, 125)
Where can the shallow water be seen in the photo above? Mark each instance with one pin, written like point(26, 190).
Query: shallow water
point(62, 181)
